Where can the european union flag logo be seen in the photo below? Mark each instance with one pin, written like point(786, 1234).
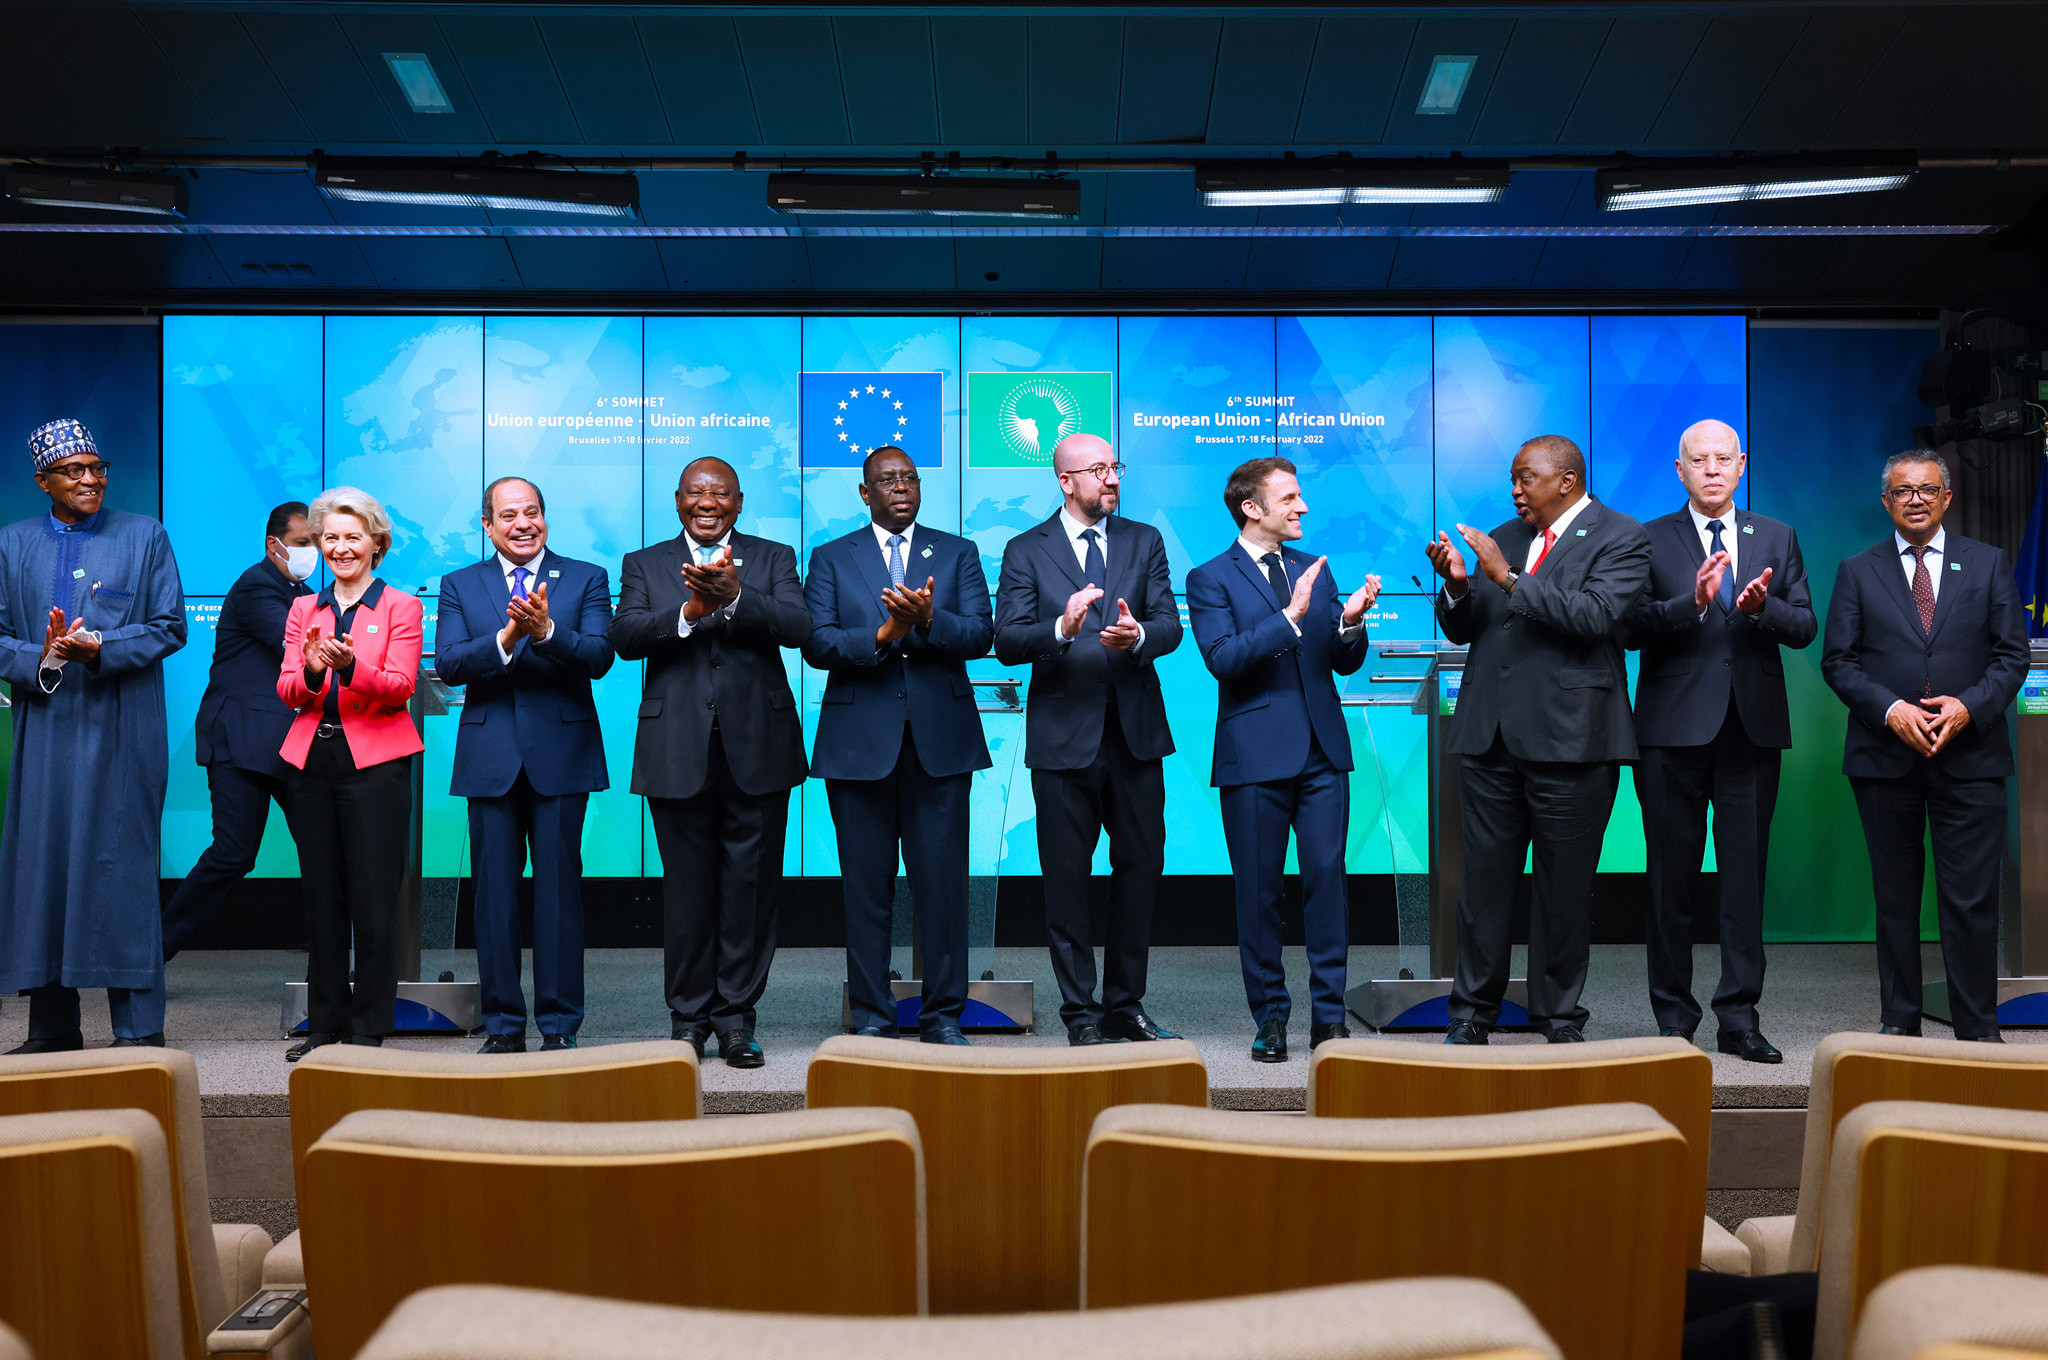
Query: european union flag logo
point(846, 416)
point(2030, 573)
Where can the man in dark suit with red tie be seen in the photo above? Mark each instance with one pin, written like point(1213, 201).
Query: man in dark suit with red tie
point(1727, 591)
point(1926, 644)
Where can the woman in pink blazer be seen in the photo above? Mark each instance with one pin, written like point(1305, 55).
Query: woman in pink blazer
point(351, 656)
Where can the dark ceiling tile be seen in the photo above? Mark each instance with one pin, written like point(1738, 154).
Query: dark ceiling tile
point(885, 66)
point(1729, 69)
point(725, 265)
point(114, 83)
point(587, 264)
point(255, 198)
point(793, 70)
point(1066, 264)
point(697, 68)
point(214, 54)
point(287, 262)
point(1169, 66)
point(1929, 55)
point(983, 95)
point(441, 263)
point(1261, 72)
point(507, 67)
point(1831, 58)
point(862, 264)
point(328, 85)
point(604, 72)
point(376, 34)
point(58, 268)
point(1606, 264)
point(708, 197)
point(1352, 80)
point(1465, 263)
point(1175, 264)
point(1076, 71)
point(1319, 264)
point(1630, 82)
point(1993, 106)
point(1757, 265)
point(1484, 38)
point(1546, 62)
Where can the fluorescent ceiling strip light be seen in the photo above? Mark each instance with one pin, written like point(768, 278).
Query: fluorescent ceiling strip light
point(502, 202)
point(939, 233)
point(1632, 199)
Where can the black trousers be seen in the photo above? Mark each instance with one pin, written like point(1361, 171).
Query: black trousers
point(1676, 784)
point(1508, 808)
point(1126, 797)
point(721, 877)
point(241, 805)
point(1965, 818)
point(927, 815)
point(353, 828)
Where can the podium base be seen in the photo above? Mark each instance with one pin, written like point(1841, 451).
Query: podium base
point(1424, 1003)
point(423, 1008)
point(991, 1005)
point(2022, 1002)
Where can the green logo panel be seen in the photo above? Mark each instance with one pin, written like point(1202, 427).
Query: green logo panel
point(1015, 419)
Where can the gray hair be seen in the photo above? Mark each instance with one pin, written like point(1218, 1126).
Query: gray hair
point(1884, 478)
point(349, 500)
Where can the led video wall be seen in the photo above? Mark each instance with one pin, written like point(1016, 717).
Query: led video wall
point(1400, 426)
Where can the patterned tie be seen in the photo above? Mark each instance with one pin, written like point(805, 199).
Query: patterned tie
point(519, 575)
point(1726, 594)
point(1923, 599)
point(1549, 537)
point(1097, 572)
point(896, 560)
point(1277, 578)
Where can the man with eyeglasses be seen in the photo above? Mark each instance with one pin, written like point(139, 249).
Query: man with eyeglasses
point(90, 605)
point(1926, 644)
point(897, 611)
point(1727, 591)
point(1087, 599)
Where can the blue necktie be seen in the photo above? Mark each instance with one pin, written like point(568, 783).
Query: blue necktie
point(1097, 573)
point(896, 560)
point(519, 575)
point(1726, 594)
point(705, 552)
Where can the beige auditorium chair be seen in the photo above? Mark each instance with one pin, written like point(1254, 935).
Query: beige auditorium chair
point(1582, 1212)
point(1003, 1131)
point(219, 1264)
point(1390, 1079)
point(1428, 1319)
point(815, 1211)
point(1955, 1312)
point(1851, 1069)
point(1912, 1183)
point(12, 1347)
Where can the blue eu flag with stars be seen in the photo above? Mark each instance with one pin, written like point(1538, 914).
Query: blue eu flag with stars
point(847, 416)
point(2031, 573)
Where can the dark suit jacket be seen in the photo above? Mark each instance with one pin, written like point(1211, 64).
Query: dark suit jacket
point(921, 678)
point(730, 668)
point(1874, 654)
point(1546, 670)
point(537, 712)
point(1069, 681)
point(1272, 688)
point(1691, 665)
point(241, 720)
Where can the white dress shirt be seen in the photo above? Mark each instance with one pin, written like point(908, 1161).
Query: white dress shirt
point(1257, 554)
point(683, 625)
point(1728, 536)
point(1935, 557)
point(882, 537)
point(1073, 529)
point(1557, 528)
point(506, 566)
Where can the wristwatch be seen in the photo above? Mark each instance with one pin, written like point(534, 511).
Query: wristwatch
point(1514, 577)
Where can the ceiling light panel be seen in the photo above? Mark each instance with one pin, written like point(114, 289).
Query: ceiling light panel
point(1626, 191)
point(417, 81)
point(1444, 91)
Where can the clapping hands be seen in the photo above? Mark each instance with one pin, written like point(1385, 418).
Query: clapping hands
point(323, 651)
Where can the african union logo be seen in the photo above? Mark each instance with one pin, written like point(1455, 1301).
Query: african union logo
point(1015, 419)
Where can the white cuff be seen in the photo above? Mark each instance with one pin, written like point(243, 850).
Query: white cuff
point(683, 625)
point(1059, 637)
point(1291, 623)
point(1139, 645)
point(1346, 632)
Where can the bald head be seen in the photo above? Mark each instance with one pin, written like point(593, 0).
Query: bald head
point(1081, 450)
point(1710, 463)
point(1090, 494)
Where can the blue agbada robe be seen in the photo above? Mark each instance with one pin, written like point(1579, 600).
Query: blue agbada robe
point(85, 792)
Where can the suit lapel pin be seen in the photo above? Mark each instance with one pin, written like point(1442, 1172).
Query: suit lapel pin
point(1579, 533)
point(738, 563)
point(373, 627)
point(1955, 566)
point(926, 553)
point(1749, 528)
point(554, 573)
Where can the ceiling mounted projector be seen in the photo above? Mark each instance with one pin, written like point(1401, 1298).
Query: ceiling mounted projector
point(477, 184)
point(1628, 190)
point(100, 190)
point(1342, 180)
point(1056, 200)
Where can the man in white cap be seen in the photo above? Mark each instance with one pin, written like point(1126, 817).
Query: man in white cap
point(90, 605)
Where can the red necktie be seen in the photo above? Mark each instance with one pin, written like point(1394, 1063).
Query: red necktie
point(1549, 537)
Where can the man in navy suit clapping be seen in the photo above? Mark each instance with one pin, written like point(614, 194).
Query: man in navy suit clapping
point(526, 630)
point(1274, 629)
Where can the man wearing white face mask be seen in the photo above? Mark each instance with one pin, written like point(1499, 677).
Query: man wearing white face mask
point(242, 722)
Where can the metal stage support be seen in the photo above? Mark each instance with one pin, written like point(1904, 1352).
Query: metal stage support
point(442, 1006)
point(2023, 890)
point(1419, 998)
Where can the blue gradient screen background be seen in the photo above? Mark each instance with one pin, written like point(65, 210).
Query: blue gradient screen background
point(1400, 426)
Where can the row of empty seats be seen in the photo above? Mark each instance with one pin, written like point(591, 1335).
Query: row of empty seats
point(995, 1180)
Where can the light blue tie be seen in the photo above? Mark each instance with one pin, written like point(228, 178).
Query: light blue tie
point(896, 560)
point(705, 552)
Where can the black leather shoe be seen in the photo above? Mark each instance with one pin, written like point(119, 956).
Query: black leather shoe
point(691, 1032)
point(945, 1032)
point(1320, 1034)
point(1982, 1038)
point(1087, 1036)
point(504, 1043)
point(875, 1032)
point(63, 1043)
point(555, 1043)
point(1909, 1031)
point(1135, 1026)
point(1567, 1034)
point(1748, 1045)
point(1467, 1032)
point(308, 1044)
point(138, 1041)
point(738, 1049)
point(1673, 1032)
point(1271, 1043)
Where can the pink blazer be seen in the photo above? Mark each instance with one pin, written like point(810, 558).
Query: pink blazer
point(374, 720)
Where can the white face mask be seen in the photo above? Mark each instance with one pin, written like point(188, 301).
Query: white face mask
point(300, 559)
